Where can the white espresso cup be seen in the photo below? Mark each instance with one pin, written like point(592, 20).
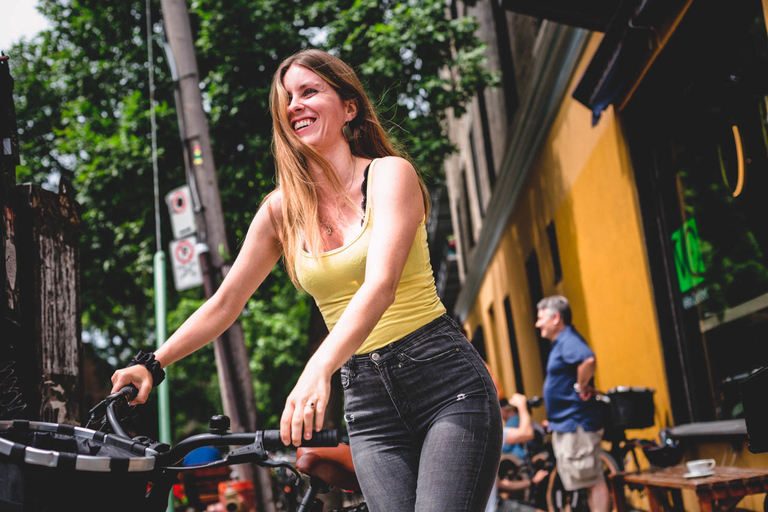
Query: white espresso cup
point(700, 466)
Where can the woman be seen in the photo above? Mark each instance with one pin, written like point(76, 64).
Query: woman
point(348, 218)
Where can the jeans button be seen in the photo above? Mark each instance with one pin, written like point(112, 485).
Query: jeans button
point(375, 357)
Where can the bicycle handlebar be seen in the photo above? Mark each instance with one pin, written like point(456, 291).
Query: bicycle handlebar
point(264, 440)
point(251, 447)
point(535, 401)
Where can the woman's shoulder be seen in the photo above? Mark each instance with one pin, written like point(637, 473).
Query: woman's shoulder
point(395, 181)
point(273, 204)
point(392, 162)
point(274, 199)
point(393, 167)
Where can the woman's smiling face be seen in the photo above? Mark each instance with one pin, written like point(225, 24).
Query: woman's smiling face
point(315, 111)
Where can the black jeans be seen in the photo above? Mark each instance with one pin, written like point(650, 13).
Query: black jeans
point(424, 423)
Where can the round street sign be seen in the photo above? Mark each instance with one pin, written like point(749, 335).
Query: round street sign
point(184, 252)
point(179, 201)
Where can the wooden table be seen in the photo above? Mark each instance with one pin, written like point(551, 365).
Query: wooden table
point(719, 492)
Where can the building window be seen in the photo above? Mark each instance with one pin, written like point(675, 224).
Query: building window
point(490, 168)
point(492, 321)
point(513, 350)
point(508, 79)
point(536, 293)
point(468, 225)
point(476, 172)
point(478, 341)
point(555, 252)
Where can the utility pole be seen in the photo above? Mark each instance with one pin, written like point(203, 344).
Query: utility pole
point(231, 356)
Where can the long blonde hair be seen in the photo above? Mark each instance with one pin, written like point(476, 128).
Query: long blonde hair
point(300, 225)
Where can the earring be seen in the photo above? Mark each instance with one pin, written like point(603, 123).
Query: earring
point(347, 131)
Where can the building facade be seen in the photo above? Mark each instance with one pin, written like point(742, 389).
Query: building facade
point(621, 163)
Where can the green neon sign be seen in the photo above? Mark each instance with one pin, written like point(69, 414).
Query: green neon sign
point(688, 259)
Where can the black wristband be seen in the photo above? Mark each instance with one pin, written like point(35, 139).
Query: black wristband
point(147, 359)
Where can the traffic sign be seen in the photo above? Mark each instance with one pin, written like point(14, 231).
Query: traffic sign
point(182, 215)
point(187, 272)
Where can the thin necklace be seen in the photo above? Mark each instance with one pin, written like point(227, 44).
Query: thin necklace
point(328, 228)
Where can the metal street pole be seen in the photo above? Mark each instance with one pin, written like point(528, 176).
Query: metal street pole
point(231, 356)
point(163, 395)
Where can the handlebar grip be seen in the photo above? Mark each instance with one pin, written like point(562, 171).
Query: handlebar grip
point(129, 392)
point(272, 439)
point(322, 438)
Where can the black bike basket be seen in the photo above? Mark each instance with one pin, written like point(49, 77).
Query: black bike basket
point(50, 466)
point(631, 407)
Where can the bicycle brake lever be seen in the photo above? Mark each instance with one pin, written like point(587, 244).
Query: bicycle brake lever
point(97, 413)
point(253, 452)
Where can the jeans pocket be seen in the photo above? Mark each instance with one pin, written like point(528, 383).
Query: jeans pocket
point(430, 350)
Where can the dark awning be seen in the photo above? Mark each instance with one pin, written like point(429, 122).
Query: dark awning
point(633, 39)
point(590, 14)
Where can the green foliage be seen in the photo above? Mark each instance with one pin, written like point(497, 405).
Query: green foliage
point(82, 102)
point(276, 337)
point(416, 62)
point(83, 110)
point(194, 383)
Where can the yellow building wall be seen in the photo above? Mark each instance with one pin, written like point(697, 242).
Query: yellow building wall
point(583, 180)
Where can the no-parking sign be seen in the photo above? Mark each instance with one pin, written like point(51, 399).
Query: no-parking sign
point(182, 215)
point(185, 263)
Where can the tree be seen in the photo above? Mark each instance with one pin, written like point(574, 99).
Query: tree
point(83, 109)
point(417, 63)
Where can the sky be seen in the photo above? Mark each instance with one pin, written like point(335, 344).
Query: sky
point(19, 19)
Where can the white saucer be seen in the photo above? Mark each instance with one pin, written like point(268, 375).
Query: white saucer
point(699, 475)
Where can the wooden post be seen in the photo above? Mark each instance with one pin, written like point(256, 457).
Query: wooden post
point(16, 392)
point(40, 347)
point(9, 159)
point(48, 235)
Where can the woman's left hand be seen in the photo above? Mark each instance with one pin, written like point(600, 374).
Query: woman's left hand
point(305, 406)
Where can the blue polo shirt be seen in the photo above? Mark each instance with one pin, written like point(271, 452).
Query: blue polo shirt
point(565, 410)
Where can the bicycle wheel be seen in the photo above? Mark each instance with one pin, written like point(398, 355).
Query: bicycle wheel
point(561, 500)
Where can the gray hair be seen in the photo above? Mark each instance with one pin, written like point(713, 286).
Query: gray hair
point(556, 304)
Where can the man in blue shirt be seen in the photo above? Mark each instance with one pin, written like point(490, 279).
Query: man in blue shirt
point(574, 416)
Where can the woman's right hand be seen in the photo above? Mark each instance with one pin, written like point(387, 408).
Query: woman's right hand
point(137, 375)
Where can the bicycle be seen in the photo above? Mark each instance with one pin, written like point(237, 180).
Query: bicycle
point(517, 485)
point(631, 408)
point(623, 408)
point(51, 466)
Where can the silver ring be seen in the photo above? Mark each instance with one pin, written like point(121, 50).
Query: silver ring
point(310, 404)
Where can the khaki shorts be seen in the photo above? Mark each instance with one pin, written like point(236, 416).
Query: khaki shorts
point(578, 458)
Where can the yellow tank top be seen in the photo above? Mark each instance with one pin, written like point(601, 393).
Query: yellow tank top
point(333, 277)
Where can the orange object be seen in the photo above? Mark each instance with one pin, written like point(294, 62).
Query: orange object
point(237, 496)
point(333, 465)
